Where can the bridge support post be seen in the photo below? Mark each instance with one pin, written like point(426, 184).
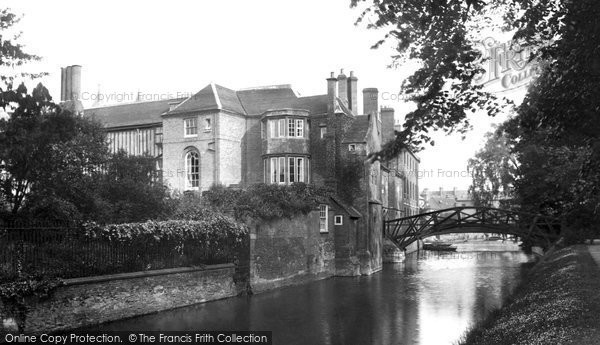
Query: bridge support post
point(370, 253)
point(391, 252)
point(414, 247)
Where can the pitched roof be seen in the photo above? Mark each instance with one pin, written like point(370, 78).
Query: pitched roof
point(358, 130)
point(258, 100)
point(132, 114)
point(352, 212)
point(437, 203)
point(203, 100)
point(254, 101)
point(314, 104)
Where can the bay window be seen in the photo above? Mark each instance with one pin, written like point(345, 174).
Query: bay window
point(283, 170)
point(286, 128)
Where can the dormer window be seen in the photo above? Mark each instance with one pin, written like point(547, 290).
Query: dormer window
point(173, 105)
point(190, 127)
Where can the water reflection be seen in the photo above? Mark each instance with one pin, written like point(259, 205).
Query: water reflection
point(429, 299)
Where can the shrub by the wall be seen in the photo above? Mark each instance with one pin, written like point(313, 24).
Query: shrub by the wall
point(267, 201)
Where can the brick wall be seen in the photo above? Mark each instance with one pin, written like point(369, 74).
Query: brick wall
point(230, 133)
point(175, 146)
point(290, 251)
point(252, 160)
point(88, 301)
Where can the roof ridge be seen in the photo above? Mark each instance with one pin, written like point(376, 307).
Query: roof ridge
point(132, 103)
point(240, 100)
point(267, 87)
point(216, 94)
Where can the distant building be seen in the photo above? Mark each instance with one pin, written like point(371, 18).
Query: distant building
point(442, 199)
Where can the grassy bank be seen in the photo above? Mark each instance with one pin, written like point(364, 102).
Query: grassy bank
point(558, 303)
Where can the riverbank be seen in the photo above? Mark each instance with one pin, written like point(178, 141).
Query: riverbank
point(558, 303)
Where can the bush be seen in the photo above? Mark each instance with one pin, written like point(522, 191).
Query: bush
point(211, 229)
point(266, 201)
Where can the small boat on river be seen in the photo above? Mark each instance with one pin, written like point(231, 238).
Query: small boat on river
point(444, 247)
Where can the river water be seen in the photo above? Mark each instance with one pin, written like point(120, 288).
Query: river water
point(431, 298)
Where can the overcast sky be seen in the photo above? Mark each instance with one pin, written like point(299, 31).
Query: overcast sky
point(177, 47)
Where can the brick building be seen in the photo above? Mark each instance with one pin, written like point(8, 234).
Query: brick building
point(270, 134)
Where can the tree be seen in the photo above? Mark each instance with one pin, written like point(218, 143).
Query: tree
point(493, 169)
point(12, 55)
point(441, 34)
point(45, 151)
point(130, 190)
point(556, 132)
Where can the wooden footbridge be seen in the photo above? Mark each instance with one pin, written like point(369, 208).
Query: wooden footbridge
point(531, 228)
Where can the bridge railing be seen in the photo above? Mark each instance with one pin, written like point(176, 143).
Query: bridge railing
point(405, 230)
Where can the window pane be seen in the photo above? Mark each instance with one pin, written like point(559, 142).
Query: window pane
point(291, 128)
point(191, 126)
point(281, 169)
point(274, 170)
point(282, 128)
point(192, 162)
point(323, 218)
point(292, 170)
point(300, 128)
point(300, 170)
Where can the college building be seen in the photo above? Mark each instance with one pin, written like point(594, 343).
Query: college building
point(269, 134)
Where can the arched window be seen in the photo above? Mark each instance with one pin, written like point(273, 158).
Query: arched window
point(192, 170)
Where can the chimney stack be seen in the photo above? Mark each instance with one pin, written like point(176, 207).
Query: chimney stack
point(331, 93)
point(68, 84)
point(343, 87)
point(387, 121)
point(370, 101)
point(75, 83)
point(70, 89)
point(63, 83)
point(353, 93)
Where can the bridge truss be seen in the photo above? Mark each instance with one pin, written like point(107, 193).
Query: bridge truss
point(536, 229)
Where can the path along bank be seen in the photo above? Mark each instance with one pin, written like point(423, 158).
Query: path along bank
point(557, 303)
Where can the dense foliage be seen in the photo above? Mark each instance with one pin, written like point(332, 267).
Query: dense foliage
point(556, 130)
point(12, 55)
point(267, 201)
point(56, 166)
point(442, 36)
point(210, 229)
point(493, 170)
point(554, 136)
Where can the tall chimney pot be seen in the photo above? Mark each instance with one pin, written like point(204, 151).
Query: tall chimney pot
point(370, 101)
point(68, 83)
point(331, 93)
point(75, 83)
point(353, 93)
point(343, 87)
point(63, 83)
point(387, 119)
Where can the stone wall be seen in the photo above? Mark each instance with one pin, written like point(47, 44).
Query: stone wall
point(290, 251)
point(175, 146)
point(92, 300)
